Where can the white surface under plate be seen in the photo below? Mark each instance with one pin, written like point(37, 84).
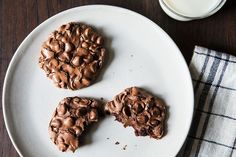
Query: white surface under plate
point(140, 54)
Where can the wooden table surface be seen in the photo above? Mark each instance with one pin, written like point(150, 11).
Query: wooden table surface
point(20, 17)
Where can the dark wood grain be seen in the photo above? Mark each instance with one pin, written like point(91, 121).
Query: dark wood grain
point(20, 17)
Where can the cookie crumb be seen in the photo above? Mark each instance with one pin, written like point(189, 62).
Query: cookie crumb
point(117, 143)
point(124, 148)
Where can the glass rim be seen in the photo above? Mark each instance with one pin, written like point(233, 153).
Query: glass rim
point(212, 11)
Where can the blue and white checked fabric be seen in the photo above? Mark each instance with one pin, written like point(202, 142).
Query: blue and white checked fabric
point(213, 130)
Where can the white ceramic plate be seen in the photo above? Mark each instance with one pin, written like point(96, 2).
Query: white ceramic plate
point(141, 54)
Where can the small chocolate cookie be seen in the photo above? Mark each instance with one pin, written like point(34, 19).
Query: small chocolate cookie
point(139, 109)
point(72, 56)
point(72, 116)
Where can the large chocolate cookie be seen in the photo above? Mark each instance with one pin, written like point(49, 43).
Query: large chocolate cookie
point(72, 116)
point(72, 56)
point(139, 109)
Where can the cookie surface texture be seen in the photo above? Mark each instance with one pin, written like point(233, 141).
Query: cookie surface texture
point(141, 110)
point(69, 121)
point(72, 56)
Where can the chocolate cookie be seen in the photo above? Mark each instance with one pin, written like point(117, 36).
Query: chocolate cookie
point(139, 109)
point(72, 56)
point(72, 116)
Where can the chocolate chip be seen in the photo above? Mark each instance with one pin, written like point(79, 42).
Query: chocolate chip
point(87, 73)
point(94, 37)
point(155, 111)
point(138, 108)
point(77, 130)
point(76, 61)
point(82, 51)
point(61, 110)
point(88, 32)
point(56, 123)
point(142, 132)
point(99, 40)
point(85, 45)
point(126, 111)
point(93, 115)
point(113, 107)
point(154, 122)
point(68, 122)
point(82, 111)
point(47, 53)
point(134, 91)
point(62, 147)
point(142, 119)
point(85, 82)
point(158, 131)
point(69, 47)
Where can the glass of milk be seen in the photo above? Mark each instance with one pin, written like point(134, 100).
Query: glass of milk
point(185, 10)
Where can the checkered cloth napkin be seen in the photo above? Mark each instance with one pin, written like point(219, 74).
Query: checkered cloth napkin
point(213, 130)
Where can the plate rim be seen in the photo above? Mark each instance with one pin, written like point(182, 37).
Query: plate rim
point(18, 53)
